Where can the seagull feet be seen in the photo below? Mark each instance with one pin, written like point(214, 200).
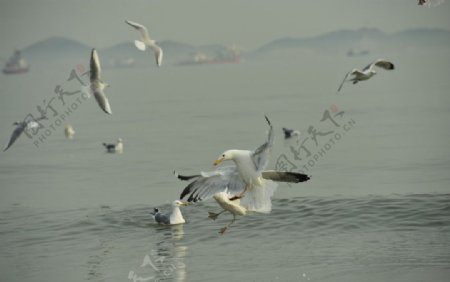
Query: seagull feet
point(223, 229)
point(213, 215)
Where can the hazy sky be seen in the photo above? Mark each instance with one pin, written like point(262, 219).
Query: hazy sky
point(248, 23)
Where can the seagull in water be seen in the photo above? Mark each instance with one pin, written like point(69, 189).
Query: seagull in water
point(69, 131)
point(21, 126)
point(248, 176)
point(228, 204)
point(146, 41)
point(175, 217)
point(97, 85)
point(367, 72)
point(114, 148)
point(289, 133)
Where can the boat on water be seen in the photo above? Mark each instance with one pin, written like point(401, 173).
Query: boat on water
point(16, 64)
point(231, 56)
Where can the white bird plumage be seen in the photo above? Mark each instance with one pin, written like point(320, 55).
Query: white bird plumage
point(367, 72)
point(147, 41)
point(248, 176)
point(97, 85)
point(173, 217)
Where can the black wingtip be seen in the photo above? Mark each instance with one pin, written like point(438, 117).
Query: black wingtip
point(301, 177)
point(268, 121)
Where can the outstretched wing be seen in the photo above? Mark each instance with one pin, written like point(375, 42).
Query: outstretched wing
point(208, 184)
point(382, 63)
point(95, 66)
point(261, 155)
point(158, 54)
point(142, 30)
point(102, 101)
point(16, 133)
point(285, 176)
point(343, 81)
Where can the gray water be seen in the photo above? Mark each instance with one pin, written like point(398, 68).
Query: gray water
point(377, 207)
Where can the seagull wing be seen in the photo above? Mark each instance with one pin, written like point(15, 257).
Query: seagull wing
point(102, 101)
point(205, 186)
point(142, 30)
point(285, 176)
point(343, 81)
point(95, 66)
point(158, 54)
point(261, 155)
point(162, 218)
point(16, 133)
point(384, 64)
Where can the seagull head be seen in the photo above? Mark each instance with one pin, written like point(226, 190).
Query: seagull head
point(16, 123)
point(178, 203)
point(119, 140)
point(227, 155)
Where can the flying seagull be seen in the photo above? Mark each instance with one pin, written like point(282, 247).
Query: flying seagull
point(21, 126)
point(97, 85)
point(147, 41)
point(114, 148)
point(248, 176)
point(228, 204)
point(366, 73)
point(174, 217)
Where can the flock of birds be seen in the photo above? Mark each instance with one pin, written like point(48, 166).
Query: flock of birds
point(242, 187)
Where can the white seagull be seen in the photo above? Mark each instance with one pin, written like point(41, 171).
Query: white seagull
point(21, 126)
point(367, 72)
point(114, 148)
point(97, 85)
point(174, 217)
point(69, 132)
point(147, 41)
point(248, 176)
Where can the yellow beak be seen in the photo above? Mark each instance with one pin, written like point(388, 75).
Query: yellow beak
point(217, 162)
point(184, 203)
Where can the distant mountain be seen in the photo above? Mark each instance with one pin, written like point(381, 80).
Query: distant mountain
point(360, 41)
point(55, 48)
point(342, 41)
point(61, 49)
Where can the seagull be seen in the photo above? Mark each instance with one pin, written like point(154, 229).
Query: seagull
point(175, 217)
point(114, 148)
point(248, 174)
point(146, 41)
point(21, 126)
point(228, 204)
point(69, 131)
point(367, 72)
point(289, 133)
point(97, 85)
